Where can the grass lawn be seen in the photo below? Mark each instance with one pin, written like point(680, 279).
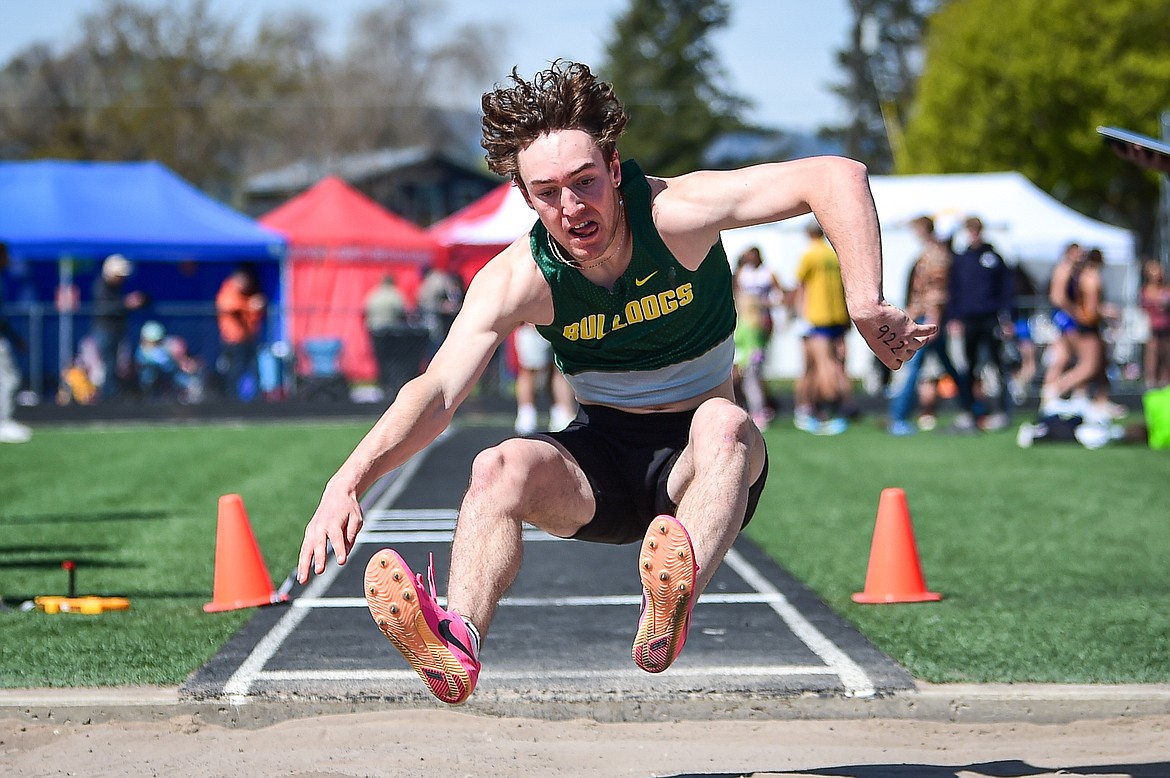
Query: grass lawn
point(135, 507)
point(1051, 560)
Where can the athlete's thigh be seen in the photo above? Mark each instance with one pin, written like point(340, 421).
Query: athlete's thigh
point(537, 480)
point(715, 417)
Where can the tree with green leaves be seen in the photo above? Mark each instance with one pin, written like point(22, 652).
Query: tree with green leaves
point(663, 66)
point(1023, 86)
point(172, 84)
point(881, 64)
point(384, 90)
point(182, 85)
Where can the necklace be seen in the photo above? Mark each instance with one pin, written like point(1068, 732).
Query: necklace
point(558, 254)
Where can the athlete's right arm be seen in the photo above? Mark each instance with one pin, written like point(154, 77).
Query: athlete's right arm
point(497, 301)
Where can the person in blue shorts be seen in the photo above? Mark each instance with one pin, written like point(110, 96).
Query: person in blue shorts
point(822, 295)
point(1058, 355)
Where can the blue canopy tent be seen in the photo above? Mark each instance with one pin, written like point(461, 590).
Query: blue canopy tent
point(60, 219)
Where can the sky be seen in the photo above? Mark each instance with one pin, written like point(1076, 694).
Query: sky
point(778, 54)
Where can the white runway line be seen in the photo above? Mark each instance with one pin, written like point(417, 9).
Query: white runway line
point(739, 671)
point(853, 677)
point(427, 525)
point(240, 683)
point(723, 598)
point(393, 537)
point(381, 515)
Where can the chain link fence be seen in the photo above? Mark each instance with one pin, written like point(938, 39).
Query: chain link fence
point(61, 362)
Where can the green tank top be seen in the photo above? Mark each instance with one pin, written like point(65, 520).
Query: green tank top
point(657, 315)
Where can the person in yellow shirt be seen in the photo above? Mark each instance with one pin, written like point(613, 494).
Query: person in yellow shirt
point(822, 293)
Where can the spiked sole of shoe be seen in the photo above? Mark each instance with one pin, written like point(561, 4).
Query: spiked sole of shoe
point(667, 568)
point(393, 599)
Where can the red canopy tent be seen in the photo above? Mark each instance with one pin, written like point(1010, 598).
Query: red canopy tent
point(476, 233)
point(340, 246)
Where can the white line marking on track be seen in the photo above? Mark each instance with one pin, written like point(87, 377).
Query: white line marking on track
point(857, 683)
point(722, 598)
point(406, 525)
point(383, 515)
point(237, 686)
point(241, 680)
point(742, 671)
point(366, 538)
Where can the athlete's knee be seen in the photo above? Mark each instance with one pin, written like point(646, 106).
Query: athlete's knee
point(520, 481)
point(721, 424)
point(501, 473)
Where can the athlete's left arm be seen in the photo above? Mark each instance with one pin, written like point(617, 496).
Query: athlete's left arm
point(691, 210)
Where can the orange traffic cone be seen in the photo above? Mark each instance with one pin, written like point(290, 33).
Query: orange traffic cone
point(241, 580)
point(894, 574)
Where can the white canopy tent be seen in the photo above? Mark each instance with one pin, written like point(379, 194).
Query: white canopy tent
point(1026, 225)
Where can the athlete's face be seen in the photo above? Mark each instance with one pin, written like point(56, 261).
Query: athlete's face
point(573, 190)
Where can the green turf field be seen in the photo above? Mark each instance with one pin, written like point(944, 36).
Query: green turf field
point(135, 507)
point(1051, 560)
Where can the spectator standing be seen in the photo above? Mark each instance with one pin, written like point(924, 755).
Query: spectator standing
point(823, 295)
point(1155, 302)
point(111, 313)
point(752, 278)
point(751, 342)
point(11, 431)
point(384, 310)
point(1087, 306)
point(981, 306)
point(535, 361)
point(240, 308)
point(1058, 355)
point(1022, 351)
point(926, 302)
point(756, 279)
point(439, 299)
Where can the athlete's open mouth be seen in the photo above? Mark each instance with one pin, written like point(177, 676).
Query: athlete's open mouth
point(584, 231)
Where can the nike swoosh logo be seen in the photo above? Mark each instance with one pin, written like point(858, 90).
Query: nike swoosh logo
point(445, 633)
point(640, 281)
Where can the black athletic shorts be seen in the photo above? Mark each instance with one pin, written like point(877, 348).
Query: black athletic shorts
point(627, 458)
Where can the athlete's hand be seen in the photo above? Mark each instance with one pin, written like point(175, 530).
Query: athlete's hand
point(891, 334)
point(337, 520)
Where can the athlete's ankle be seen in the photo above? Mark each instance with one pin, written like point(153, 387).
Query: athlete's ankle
point(472, 630)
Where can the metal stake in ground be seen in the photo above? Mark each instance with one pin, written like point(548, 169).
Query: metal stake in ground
point(70, 567)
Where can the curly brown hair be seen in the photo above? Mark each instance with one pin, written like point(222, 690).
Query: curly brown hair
point(566, 96)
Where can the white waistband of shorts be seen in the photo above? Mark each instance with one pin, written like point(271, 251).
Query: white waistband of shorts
point(642, 388)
